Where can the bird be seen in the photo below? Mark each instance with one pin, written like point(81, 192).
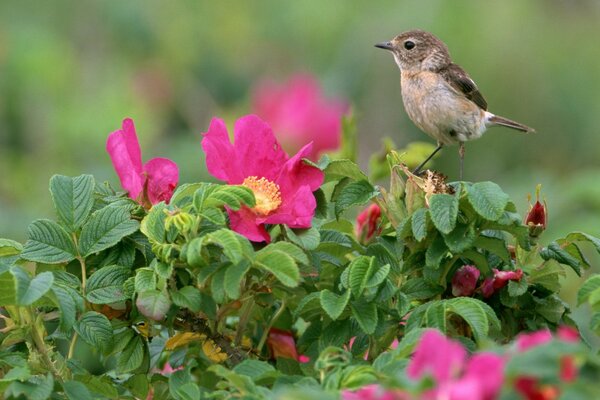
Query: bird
point(439, 96)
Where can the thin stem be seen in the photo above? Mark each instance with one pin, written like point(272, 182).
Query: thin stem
point(72, 346)
point(244, 317)
point(83, 274)
point(265, 334)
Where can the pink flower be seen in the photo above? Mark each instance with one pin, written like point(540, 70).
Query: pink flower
point(529, 340)
point(368, 223)
point(299, 114)
point(374, 392)
point(148, 183)
point(457, 377)
point(283, 186)
point(500, 279)
point(282, 344)
point(464, 280)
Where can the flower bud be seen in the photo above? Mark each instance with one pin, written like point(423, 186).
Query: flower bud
point(537, 215)
point(182, 221)
point(464, 280)
point(368, 223)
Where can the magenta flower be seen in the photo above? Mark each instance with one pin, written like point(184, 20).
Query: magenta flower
point(456, 376)
point(499, 280)
point(464, 280)
point(283, 186)
point(299, 114)
point(368, 223)
point(374, 392)
point(148, 183)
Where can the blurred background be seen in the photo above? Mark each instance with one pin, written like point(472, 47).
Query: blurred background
point(70, 71)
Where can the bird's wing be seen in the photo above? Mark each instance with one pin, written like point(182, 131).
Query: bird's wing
point(460, 80)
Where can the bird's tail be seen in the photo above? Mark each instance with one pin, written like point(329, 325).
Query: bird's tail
point(497, 120)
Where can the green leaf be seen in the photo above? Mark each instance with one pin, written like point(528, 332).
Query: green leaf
point(254, 369)
point(338, 169)
point(37, 387)
point(281, 265)
point(233, 278)
point(583, 237)
point(76, 391)
point(223, 195)
point(495, 246)
point(132, 355)
point(517, 288)
point(188, 297)
point(419, 224)
point(555, 252)
point(30, 290)
point(8, 294)
point(436, 252)
point(48, 243)
point(473, 313)
point(461, 238)
point(552, 308)
point(233, 244)
point(420, 289)
point(289, 248)
point(105, 228)
point(547, 275)
point(73, 199)
point(366, 316)
point(105, 286)
point(361, 269)
point(145, 279)
point(184, 194)
point(488, 200)
point(9, 247)
point(153, 224)
point(443, 209)
point(153, 304)
point(591, 285)
point(353, 194)
point(334, 304)
point(95, 329)
point(66, 304)
point(308, 239)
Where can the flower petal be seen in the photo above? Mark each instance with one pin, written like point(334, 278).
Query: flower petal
point(296, 171)
point(221, 161)
point(532, 339)
point(282, 344)
point(487, 369)
point(257, 152)
point(162, 175)
point(246, 223)
point(124, 151)
point(437, 356)
point(296, 210)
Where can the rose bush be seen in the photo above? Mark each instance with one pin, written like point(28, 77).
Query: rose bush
point(265, 287)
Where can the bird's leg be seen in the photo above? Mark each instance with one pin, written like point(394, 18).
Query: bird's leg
point(461, 153)
point(418, 169)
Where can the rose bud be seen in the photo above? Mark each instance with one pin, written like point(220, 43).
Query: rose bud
point(464, 280)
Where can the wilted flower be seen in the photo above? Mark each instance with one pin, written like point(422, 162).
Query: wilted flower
point(499, 280)
point(464, 280)
point(282, 344)
point(148, 183)
point(456, 376)
point(299, 113)
point(537, 215)
point(283, 186)
point(368, 223)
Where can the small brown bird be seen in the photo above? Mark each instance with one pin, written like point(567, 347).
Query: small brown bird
point(438, 95)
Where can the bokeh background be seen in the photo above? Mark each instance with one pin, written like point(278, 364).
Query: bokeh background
point(70, 71)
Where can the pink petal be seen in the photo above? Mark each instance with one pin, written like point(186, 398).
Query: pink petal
point(221, 159)
point(124, 151)
point(528, 340)
point(568, 334)
point(464, 280)
point(488, 370)
point(257, 152)
point(162, 175)
point(244, 222)
point(437, 356)
point(282, 344)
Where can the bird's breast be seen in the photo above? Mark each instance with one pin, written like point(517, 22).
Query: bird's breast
point(438, 110)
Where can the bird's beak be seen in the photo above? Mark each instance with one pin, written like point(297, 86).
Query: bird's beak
point(385, 45)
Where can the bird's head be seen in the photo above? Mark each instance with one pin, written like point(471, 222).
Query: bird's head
point(417, 50)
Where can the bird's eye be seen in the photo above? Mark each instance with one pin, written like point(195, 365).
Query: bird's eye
point(409, 44)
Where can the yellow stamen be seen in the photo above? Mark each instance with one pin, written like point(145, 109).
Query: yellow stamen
point(266, 193)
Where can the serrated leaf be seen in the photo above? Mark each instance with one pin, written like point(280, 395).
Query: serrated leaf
point(153, 304)
point(254, 369)
point(8, 294)
point(105, 228)
point(76, 391)
point(188, 297)
point(555, 252)
point(37, 387)
point(495, 246)
point(366, 316)
point(30, 290)
point(354, 194)
point(436, 251)
point(419, 224)
point(95, 329)
point(591, 285)
point(436, 316)
point(66, 305)
point(9, 247)
point(443, 210)
point(105, 286)
point(73, 199)
point(153, 224)
point(461, 238)
point(289, 248)
point(308, 239)
point(334, 304)
point(583, 237)
point(361, 269)
point(420, 289)
point(552, 308)
point(232, 196)
point(281, 265)
point(473, 313)
point(48, 243)
point(184, 194)
point(233, 278)
point(338, 169)
point(132, 355)
point(145, 279)
point(487, 199)
point(517, 288)
point(233, 244)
